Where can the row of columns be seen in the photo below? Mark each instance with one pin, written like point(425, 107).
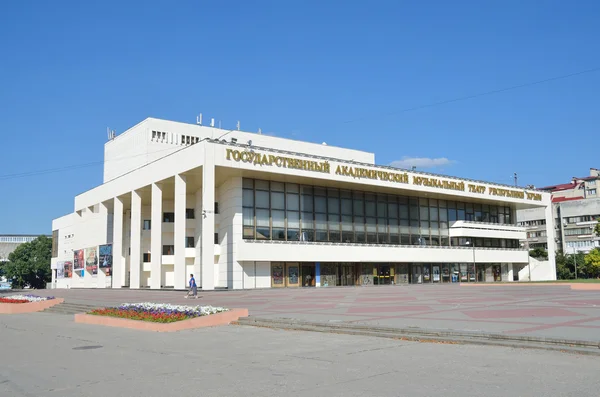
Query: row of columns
point(204, 266)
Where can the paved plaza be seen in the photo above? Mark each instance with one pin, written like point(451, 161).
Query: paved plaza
point(535, 310)
point(46, 355)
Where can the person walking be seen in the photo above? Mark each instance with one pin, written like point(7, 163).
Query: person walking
point(193, 288)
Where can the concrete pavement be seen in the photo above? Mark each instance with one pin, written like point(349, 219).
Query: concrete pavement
point(44, 355)
point(551, 311)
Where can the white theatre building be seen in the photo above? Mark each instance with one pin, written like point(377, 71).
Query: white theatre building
point(242, 210)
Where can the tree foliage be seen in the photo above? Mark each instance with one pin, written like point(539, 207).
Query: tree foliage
point(29, 264)
point(539, 253)
point(597, 229)
point(592, 263)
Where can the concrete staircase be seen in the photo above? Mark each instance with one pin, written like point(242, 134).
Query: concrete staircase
point(69, 308)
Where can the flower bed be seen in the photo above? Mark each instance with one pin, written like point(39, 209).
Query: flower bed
point(24, 298)
point(157, 312)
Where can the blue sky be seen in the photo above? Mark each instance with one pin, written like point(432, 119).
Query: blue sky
point(310, 70)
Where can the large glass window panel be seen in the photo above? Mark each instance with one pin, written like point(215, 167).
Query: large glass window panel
point(346, 207)
point(370, 208)
point(277, 186)
point(381, 225)
point(293, 202)
point(320, 221)
point(248, 198)
point(359, 230)
point(308, 190)
point(345, 193)
point(433, 213)
point(424, 212)
point(434, 228)
point(334, 228)
point(262, 225)
point(278, 218)
point(478, 213)
point(292, 188)
point(403, 211)
point(320, 204)
point(306, 202)
point(307, 220)
point(248, 216)
point(261, 185)
point(277, 200)
point(293, 234)
point(293, 219)
point(460, 212)
point(371, 230)
point(359, 208)
point(248, 183)
point(414, 213)
point(333, 205)
point(381, 209)
point(444, 214)
point(262, 199)
point(393, 209)
point(347, 229)
point(319, 191)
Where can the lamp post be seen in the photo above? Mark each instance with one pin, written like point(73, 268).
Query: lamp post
point(474, 265)
point(528, 261)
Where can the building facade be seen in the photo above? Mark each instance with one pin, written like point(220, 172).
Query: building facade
point(576, 211)
point(242, 210)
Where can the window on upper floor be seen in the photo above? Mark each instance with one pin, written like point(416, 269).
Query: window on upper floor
point(147, 258)
point(189, 242)
point(168, 217)
point(190, 213)
point(147, 224)
point(168, 250)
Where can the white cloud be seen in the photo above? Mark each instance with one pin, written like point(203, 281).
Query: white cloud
point(421, 162)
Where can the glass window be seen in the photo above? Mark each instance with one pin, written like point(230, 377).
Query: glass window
point(433, 213)
point(334, 228)
point(346, 206)
point(248, 183)
point(277, 187)
point(370, 208)
point(424, 211)
point(359, 207)
point(381, 208)
point(189, 242)
point(292, 188)
point(261, 185)
point(248, 216)
point(262, 199)
point(147, 224)
point(320, 204)
point(248, 198)
point(293, 202)
point(307, 202)
point(307, 220)
point(277, 200)
point(278, 218)
point(262, 225)
point(333, 204)
point(392, 208)
point(168, 217)
point(190, 213)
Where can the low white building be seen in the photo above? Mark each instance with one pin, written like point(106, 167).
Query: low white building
point(243, 210)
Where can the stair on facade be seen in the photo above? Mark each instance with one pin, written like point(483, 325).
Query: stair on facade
point(69, 308)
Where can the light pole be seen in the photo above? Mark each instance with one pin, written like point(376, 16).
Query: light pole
point(528, 262)
point(474, 266)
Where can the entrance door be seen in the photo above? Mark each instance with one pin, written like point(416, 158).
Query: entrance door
point(347, 275)
point(277, 275)
point(293, 274)
point(308, 275)
point(497, 270)
point(417, 274)
point(384, 276)
point(436, 273)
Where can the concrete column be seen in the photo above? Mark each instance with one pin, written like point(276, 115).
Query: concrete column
point(198, 239)
point(118, 270)
point(179, 239)
point(136, 234)
point(208, 220)
point(550, 237)
point(156, 237)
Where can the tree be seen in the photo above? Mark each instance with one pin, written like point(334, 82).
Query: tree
point(597, 229)
point(563, 272)
point(539, 253)
point(29, 264)
point(592, 263)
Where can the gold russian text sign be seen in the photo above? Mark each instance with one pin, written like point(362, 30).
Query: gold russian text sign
point(366, 173)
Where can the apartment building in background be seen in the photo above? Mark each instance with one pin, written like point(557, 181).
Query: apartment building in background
point(576, 211)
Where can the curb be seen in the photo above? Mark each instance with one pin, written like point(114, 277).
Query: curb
point(430, 336)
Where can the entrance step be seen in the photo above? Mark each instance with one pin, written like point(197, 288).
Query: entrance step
point(70, 308)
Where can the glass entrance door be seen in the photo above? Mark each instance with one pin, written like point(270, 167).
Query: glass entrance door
point(308, 275)
point(417, 274)
point(293, 274)
point(384, 276)
point(347, 275)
